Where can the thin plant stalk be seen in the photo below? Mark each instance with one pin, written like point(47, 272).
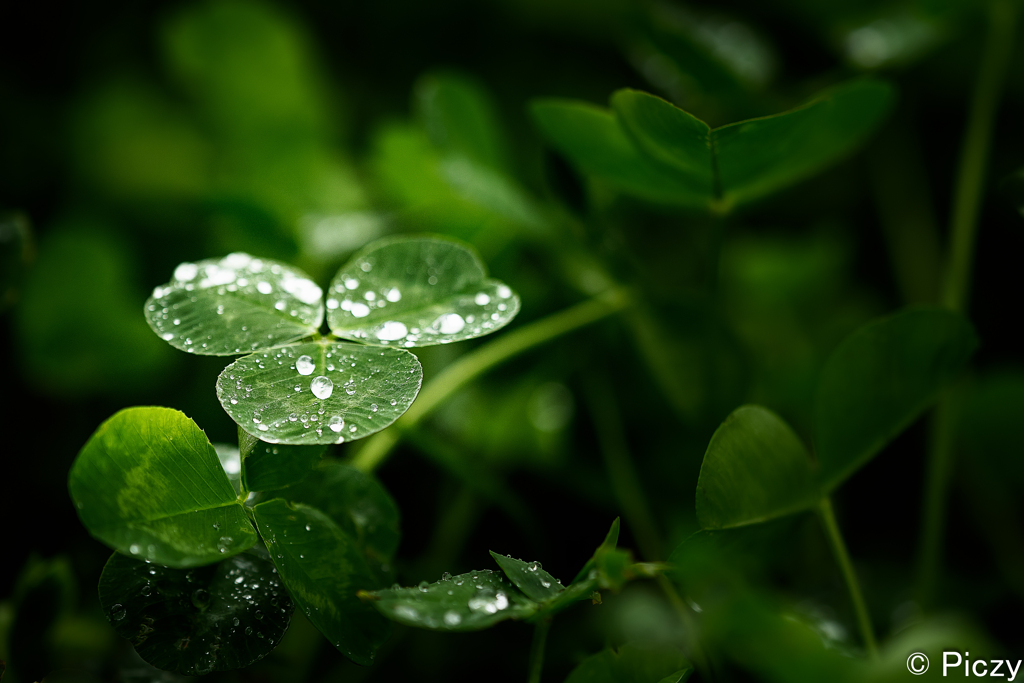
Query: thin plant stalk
point(540, 637)
point(835, 537)
point(480, 360)
point(970, 185)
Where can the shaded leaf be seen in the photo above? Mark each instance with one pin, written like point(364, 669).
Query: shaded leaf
point(760, 156)
point(755, 469)
point(671, 137)
point(460, 118)
point(417, 291)
point(231, 463)
point(148, 483)
point(237, 304)
point(355, 501)
point(880, 379)
point(529, 577)
point(194, 621)
point(633, 664)
point(82, 285)
point(269, 466)
point(321, 392)
point(594, 142)
point(44, 593)
point(323, 570)
point(467, 602)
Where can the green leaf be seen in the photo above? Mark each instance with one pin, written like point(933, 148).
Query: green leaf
point(671, 137)
point(355, 501)
point(322, 392)
point(223, 616)
point(880, 379)
point(231, 463)
point(268, 466)
point(417, 291)
point(460, 118)
point(323, 570)
point(610, 540)
point(467, 602)
point(529, 577)
point(593, 141)
point(149, 484)
point(759, 156)
point(633, 664)
point(755, 469)
point(237, 304)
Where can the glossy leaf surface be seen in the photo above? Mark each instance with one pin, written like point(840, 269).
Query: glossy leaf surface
point(149, 484)
point(633, 664)
point(237, 304)
point(269, 466)
point(355, 501)
point(755, 469)
point(467, 602)
point(529, 577)
point(319, 393)
point(592, 140)
point(323, 570)
point(880, 379)
point(194, 621)
point(416, 291)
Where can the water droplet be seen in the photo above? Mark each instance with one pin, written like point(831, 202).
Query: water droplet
point(201, 598)
point(482, 299)
point(504, 292)
point(134, 549)
point(264, 287)
point(452, 618)
point(147, 590)
point(305, 365)
point(360, 310)
point(186, 272)
point(393, 295)
point(332, 304)
point(118, 612)
point(392, 330)
point(450, 323)
point(336, 423)
point(322, 387)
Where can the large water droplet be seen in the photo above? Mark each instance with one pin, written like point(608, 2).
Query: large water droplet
point(392, 330)
point(201, 598)
point(360, 310)
point(482, 299)
point(336, 423)
point(393, 295)
point(186, 272)
point(452, 618)
point(450, 323)
point(264, 287)
point(322, 387)
point(305, 365)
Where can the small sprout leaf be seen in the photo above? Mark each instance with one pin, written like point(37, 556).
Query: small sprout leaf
point(530, 577)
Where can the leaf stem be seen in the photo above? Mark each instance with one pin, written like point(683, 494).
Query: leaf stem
point(956, 290)
point(540, 637)
point(482, 359)
point(835, 538)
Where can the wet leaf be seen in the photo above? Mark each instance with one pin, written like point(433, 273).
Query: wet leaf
point(880, 379)
point(194, 621)
point(269, 466)
point(633, 664)
point(609, 543)
point(416, 291)
point(237, 304)
point(323, 570)
point(355, 501)
point(467, 602)
point(592, 140)
point(149, 484)
point(321, 392)
point(755, 469)
point(529, 577)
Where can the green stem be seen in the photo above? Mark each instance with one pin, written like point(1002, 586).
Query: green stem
point(480, 360)
point(963, 233)
point(974, 155)
point(835, 538)
point(700, 659)
point(540, 637)
point(611, 438)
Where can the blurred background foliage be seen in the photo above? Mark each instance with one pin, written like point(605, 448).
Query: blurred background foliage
point(138, 135)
